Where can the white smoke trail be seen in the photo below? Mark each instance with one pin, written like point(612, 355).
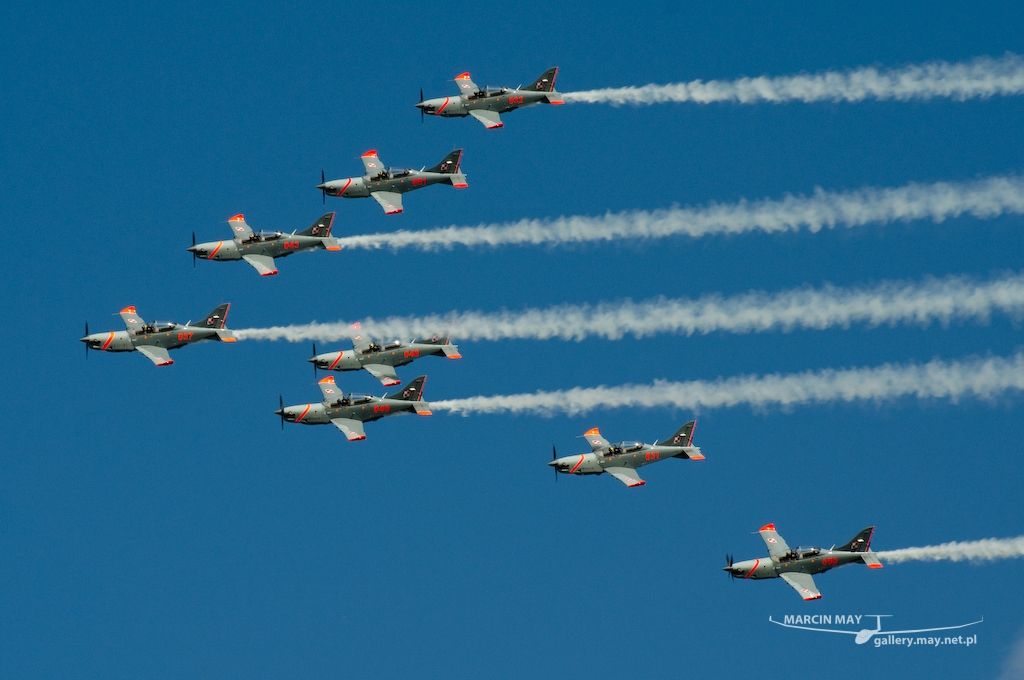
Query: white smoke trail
point(950, 299)
point(983, 199)
point(981, 77)
point(983, 550)
point(978, 378)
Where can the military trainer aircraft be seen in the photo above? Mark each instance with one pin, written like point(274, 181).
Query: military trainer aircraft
point(348, 412)
point(386, 185)
point(796, 567)
point(154, 339)
point(260, 249)
point(380, 361)
point(485, 105)
point(621, 460)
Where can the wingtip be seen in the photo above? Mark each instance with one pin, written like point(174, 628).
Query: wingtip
point(463, 185)
point(357, 438)
point(166, 363)
point(812, 597)
point(424, 413)
point(640, 483)
point(768, 527)
point(273, 273)
point(237, 218)
point(463, 76)
point(875, 566)
point(333, 248)
point(454, 356)
point(592, 430)
point(229, 339)
point(328, 379)
point(697, 457)
point(371, 152)
point(128, 310)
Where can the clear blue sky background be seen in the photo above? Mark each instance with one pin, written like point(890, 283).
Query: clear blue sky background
point(156, 522)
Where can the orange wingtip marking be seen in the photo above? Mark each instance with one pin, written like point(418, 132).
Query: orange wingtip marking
point(457, 186)
point(640, 483)
point(424, 413)
point(696, 457)
point(875, 566)
point(229, 339)
point(392, 212)
point(556, 102)
point(357, 438)
point(166, 363)
point(328, 379)
point(812, 597)
point(494, 127)
point(767, 527)
point(371, 152)
point(237, 218)
point(454, 356)
point(592, 430)
point(273, 273)
point(462, 76)
point(128, 310)
point(332, 248)
point(393, 382)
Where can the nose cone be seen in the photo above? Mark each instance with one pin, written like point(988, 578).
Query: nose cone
point(279, 412)
point(94, 340)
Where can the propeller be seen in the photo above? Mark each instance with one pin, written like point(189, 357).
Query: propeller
point(323, 181)
point(87, 343)
point(421, 108)
point(554, 457)
point(280, 402)
point(728, 565)
point(193, 250)
point(315, 374)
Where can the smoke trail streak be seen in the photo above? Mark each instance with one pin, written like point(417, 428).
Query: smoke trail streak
point(978, 378)
point(976, 551)
point(983, 199)
point(950, 299)
point(981, 77)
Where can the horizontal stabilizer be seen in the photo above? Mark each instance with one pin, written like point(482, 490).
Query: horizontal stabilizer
point(871, 559)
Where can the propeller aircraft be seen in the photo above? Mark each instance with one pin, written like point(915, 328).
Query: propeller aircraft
point(380, 361)
point(348, 412)
point(622, 460)
point(797, 567)
point(386, 185)
point(486, 105)
point(260, 249)
point(153, 340)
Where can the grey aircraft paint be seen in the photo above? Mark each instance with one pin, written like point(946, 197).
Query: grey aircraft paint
point(260, 249)
point(348, 412)
point(621, 460)
point(155, 339)
point(797, 567)
point(379, 360)
point(486, 105)
point(386, 185)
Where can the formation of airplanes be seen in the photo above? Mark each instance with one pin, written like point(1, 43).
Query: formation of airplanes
point(348, 412)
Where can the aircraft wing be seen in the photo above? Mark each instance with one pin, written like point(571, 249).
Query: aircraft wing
point(466, 86)
point(385, 374)
point(264, 264)
point(239, 229)
point(802, 583)
point(353, 429)
point(389, 200)
point(776, 544)
point(158, 355)
point(490, 119)
point(627, 476)
point(596, 441)
point(371, 163)
point(132, 321)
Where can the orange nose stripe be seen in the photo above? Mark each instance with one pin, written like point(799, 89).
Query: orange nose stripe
point(303, 414)
point(110, 339)
point(219, 244)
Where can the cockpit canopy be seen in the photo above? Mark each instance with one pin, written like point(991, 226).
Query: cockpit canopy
point(269, 235)
point(399, 172)
point(805, 552)
point(161, 326)
point(357, 398)
point(492, 91)
point(628, 447)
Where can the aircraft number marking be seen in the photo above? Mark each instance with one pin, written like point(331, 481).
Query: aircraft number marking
point(289, 245)
point(829, 561)
point(185, 336)
point(652, 455)
point(419, 181)
point(382, 408)
point(515, 100)
point(411, 353)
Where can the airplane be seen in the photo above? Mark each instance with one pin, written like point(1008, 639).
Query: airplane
point(796, 567)
point(621, 460)
point(380, 361)
point(348, 412)
point(260, 249)
point(486, 105)
point(386, 185)
point(153, 340)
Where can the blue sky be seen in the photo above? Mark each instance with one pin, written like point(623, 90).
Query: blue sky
point(157, 523)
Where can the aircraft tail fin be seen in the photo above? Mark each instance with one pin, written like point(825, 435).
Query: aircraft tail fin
point(859, 543)
point(321, 228)
point(411, 392)
point(217, 319)
point(450, 164)
point(684, 436)
point(546, 81)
